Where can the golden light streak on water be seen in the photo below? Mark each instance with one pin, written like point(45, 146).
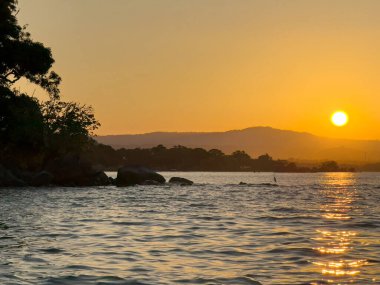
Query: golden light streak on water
point(342, 267)
point(331, 250)
point(337, 272)
point(335, 216)
point(335, 245)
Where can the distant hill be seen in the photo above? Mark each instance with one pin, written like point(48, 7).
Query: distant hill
point(256, 141)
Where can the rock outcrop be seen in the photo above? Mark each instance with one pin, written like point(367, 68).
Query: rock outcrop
point(72, 170)
point(181, 181)
point(138, 175)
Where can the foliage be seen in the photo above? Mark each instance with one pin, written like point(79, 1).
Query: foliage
point(21, 120)
point(21, 129)
point(29, 128)
point(21, 57)
point(328, 166)
point(69, 118)
point(190, 159)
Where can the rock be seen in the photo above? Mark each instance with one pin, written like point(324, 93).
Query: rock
point(101, 179)
point(150, 182)
point(43, 178)
point(181, 181)
point(8, 179)
point(73, 170)
point(111, 181)
point(137, 175)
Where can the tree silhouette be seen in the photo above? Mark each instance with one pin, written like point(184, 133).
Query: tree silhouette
point(21, 57)
point(33, 131)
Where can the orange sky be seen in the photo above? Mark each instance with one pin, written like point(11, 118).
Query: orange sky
point(215, 65)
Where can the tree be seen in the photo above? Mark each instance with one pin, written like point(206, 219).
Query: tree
point(44, 129)
point(329, 166)
point(21, 130)
point(216, 153)
point(265, 158)
point(241, 155)
point(69, 125)
point(21, 121)
point(21, 57)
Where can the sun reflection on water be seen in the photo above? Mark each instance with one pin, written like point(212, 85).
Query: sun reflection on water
point(336, 265)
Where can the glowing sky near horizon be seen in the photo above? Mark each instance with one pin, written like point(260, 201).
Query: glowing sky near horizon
point(216, 65)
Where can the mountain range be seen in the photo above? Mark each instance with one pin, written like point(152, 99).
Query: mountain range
point(280, 144)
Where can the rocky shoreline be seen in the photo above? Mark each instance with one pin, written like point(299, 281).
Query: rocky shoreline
point(74, 171)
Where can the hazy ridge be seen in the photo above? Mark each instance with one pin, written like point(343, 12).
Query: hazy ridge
point(255, 141)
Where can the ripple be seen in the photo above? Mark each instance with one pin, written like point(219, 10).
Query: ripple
point(131, 223)
point(3, 226)
point(31, 258)
point(90, 280)
point(52, 250)
point(217, 232)
point(233, 281)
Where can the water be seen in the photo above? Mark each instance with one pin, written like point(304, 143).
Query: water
point(311, 229)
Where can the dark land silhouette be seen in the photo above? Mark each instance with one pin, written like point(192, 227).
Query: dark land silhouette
point(40, 141)
point(281, 144)
point(181, 158)
point(51, 142)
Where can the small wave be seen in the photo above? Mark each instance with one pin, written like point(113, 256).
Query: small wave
point(3, 226)
point(228, 252)
point(52, 250)
point(303, 251)
point(287, 218)
point(79, 267)
point(207, 218)
point(140, 269)
point(77, 205)
point(31, 258)
point(280, 233)
point(200, 205)
point(87, 280)
point(130, 223)
point(254, 184)
point(91, 220)
point(365, 225)
point(235, 281)
point(7, 237)
point(286, 209)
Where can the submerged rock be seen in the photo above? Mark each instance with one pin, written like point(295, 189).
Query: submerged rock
point(137, 175)
point(181, 181)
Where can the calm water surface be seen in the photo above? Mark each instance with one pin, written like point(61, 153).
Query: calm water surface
point(310, 229)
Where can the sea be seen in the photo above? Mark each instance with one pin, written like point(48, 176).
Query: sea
point(321, 228)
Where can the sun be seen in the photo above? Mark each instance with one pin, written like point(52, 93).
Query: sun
point(339, 118)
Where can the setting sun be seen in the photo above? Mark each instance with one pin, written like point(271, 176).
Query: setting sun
point(339, 119)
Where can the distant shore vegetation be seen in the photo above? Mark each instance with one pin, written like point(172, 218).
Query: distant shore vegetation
point(181, 158)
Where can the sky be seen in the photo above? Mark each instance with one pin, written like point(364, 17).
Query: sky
point(216, 65)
